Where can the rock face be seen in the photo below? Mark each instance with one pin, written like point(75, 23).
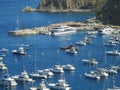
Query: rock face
point(110, 13)
point(70, 4)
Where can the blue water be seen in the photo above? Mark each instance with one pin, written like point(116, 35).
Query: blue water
point(47, 47)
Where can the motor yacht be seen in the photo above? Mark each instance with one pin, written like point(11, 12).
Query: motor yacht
point(72, 50)
point(93, 75)
point(62, 29)
point(2, 66)
point(20, 51)
point(23, 77)
point(4, 50)
point(105, 30)
point(57, 69)
point(91, 62)
point(114, 88)
point(101, 73)
point(109, 71)
point(60, 85)
point(1, 58)
point(68, 67)
point(8, 81)
point(81, 43)
point(46, 72)
point(114, 52)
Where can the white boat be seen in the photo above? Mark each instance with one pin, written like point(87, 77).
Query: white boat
point(109, 44)
point(62, 29)
point(46, 72)
point(109, 71)
point(60, 85)
point(93, 75)
point(1, 58)
point(38, 75)
point(92, 61)
point(57, 69)
point(81, 43)
point(2, 66)
point(68, 67)
point(4, 50)
point(117, 68)
point(72, 50)
point(114, 52)
point(92, 36)
point(114, 88)
point(105, 30)
point(87, 40)
point(42, 86)
point(101, 73)
point(20, 51)
point(8, 81)
point(23, 77)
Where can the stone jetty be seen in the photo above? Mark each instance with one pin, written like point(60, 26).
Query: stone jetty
point(33, 31)
point(46, 29)
point(90, 24)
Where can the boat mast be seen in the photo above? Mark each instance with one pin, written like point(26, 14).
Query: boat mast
point(35, 60)
point(17, 21)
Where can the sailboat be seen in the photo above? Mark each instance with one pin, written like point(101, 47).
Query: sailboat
point(60, 85)
point(92, 74)
point(42, 86)
point(114, 87)
point(36, 74)
point(24, 77)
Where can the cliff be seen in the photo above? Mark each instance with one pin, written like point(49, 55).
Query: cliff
point(53, 5)
point(110, 13)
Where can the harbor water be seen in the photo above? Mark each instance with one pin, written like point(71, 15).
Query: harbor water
point(47, 47)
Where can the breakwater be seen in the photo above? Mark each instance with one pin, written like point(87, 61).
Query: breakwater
point(32, 31)
point(46, 30)
point(79, 26)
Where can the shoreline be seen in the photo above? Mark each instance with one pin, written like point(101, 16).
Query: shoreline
point(30, 9)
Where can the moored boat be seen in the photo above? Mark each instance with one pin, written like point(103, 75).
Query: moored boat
point(105, 30)
point(42, 86)
point(23, 77)
point(93, 75)
point(20, 51)
point(60, 85)
point(57, 69)
point(62, 29)
point(114, 52)
point(8, 81)
point(2, 66)
point(68, 67)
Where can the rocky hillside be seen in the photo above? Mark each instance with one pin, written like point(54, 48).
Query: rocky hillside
point(71, 4)
point(110, 13)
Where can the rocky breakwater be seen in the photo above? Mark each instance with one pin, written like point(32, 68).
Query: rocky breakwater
point(33, 31)
point(89, 24)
